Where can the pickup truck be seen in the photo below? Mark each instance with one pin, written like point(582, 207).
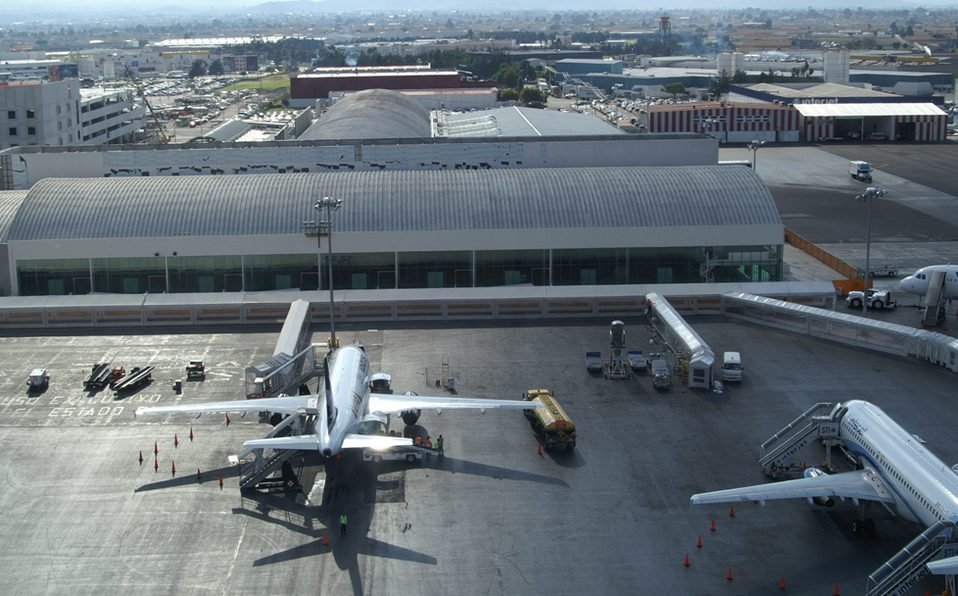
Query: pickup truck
point(877, 299)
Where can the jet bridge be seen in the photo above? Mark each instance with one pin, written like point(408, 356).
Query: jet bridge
point(694, 358)
point(293, 361)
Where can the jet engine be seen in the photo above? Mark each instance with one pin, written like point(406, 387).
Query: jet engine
point(814, 472)
point(410, 417)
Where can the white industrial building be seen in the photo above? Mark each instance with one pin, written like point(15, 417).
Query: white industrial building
point(59, 113)
point(396, 230)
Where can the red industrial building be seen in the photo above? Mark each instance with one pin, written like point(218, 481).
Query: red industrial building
point(810, 122)
point(323, 81)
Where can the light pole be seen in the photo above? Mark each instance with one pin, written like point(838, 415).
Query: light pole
point(754, 146)
point(708, 124)
point(328, 204)
point(872, 192)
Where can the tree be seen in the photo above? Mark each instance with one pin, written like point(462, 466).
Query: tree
point(675, 89)
point(198, 69)
point(509, 94)
point(507, 75)
point(532, 96)
point(216, 68)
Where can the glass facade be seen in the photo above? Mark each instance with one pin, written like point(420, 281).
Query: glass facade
point(384, 270)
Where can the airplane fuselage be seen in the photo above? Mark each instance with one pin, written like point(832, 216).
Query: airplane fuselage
point(924, 488)
point(348, 401)
point(917, 282)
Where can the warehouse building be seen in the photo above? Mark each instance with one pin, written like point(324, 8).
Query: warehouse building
point(305, 89)
point(408, 229)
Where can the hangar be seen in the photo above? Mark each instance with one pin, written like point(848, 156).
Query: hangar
point(396, 229)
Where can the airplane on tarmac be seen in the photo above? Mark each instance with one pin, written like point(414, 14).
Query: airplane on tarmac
point(895, 470)
point(917, 282)
point(349, 416)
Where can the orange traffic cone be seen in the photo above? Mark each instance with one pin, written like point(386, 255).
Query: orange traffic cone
point(731, 510)
point(835, 592)
point(156, 448)
point(728, 575)
point(191, 434)
point(173, 468)
point(540, 450)
point(698, 543)
point(712, 527)
point(176, 440)
point(325, 538)
point(686, 562)
point(227, 420)
point(781, 584)
point(141, 457)
point(199, 477)
point(221, 482)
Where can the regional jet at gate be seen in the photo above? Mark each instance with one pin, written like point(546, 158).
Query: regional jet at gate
point(349, 416)
point(896, 471)
point(917, 282)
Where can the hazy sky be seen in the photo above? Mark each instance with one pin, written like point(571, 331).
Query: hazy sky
point(398, 5)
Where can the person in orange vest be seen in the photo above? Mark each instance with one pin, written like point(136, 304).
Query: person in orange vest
point(418, 441)
point(428, 443)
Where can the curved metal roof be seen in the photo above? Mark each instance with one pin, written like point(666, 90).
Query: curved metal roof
point(395, 201)
point(372, 114)
point(10, 201)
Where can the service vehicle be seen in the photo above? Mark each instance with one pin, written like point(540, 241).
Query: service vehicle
point(407, 454)
point(886, 271)
point(860, 170)
point(593, 362)
point(877, 299)
point(661, 375)
point(731, 366)
point(195, 370)
point(38, 380)
point(637, 361)
point(551, 424)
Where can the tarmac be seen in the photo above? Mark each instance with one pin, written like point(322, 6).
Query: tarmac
point(84, 515)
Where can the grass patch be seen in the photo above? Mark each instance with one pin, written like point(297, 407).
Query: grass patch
point(272, 82)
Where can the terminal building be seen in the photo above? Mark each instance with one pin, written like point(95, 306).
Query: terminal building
point(395, 230)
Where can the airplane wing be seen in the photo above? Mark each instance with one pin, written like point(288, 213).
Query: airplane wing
point(946, 566)
point(859, 484)
point(390, 404)
point(306, 404)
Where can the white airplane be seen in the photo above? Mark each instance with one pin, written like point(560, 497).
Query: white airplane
point(917, 282)
point(349, 416)
point(896, 471)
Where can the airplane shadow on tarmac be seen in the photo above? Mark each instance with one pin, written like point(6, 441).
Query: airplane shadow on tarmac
point(354, 487)
point(350, 488)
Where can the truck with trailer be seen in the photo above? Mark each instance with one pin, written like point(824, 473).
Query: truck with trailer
point(101, 375)
point(137, 377)
point(877, 299)
point(551, 424)
point(860, 170)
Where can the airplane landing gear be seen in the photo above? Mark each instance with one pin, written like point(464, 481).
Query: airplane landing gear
point(864, 525)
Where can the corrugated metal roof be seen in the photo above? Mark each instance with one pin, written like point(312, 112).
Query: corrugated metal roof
point(852, 110)
point(521, 122)
point(229, 130)
point(402, 201)
point(10, 201)
point(800, 90)
point(372, 114)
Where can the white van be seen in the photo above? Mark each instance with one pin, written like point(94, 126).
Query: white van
point(731, 366)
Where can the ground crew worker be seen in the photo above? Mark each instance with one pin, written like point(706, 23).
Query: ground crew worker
point(428, 443)
point(439, 445)
point(418, 441)
point(342, 524)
